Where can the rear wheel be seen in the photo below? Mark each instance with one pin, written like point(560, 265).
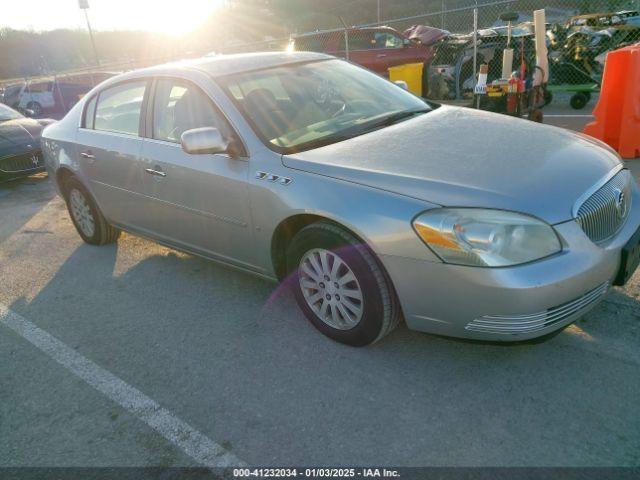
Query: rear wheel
point(340, 286)
point(85, 215)
point(35, 107)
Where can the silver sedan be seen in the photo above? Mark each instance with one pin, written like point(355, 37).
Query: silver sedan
point(371, 204)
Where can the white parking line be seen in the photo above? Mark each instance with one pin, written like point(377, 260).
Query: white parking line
point(185, 437)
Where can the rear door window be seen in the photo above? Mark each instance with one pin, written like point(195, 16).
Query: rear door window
point(119, 108)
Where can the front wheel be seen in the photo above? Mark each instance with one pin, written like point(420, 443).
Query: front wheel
point(340, 286)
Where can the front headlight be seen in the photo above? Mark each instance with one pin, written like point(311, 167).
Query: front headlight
point(486, 238)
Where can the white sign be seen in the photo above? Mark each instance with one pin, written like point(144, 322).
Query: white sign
point(481, 89)
point(83, 4)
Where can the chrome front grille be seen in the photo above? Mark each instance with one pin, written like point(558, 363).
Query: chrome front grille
point(515, 324)
point(604, 212)
point(22, 163)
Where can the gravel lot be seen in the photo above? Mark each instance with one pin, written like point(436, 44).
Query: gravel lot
point(231, 356)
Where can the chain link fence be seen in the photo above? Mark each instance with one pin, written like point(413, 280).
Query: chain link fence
point(453, 37)
point(450, 38)
point(57, 93)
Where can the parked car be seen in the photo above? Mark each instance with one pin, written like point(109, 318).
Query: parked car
point(371, 204)
point(37, 97)
point(59, 94)
point(375, 48)
point(19, 144)
point(11, 94)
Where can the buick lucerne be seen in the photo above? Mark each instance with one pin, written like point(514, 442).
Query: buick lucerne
point(372, 204)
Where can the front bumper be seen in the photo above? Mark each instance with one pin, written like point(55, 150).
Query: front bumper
point(22, 164)
point(514, 303)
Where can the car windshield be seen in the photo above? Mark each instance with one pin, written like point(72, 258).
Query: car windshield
point(7, 113)
point(304, 106)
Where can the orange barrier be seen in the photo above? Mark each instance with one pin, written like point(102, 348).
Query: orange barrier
point(618, 110)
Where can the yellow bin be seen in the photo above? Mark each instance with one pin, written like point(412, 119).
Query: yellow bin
point(410, 73)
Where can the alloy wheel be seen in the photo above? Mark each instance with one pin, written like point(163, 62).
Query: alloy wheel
point(82, 212)
point(331, 289)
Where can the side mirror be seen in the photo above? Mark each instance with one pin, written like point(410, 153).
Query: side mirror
point(203, 140)
point(406, 42)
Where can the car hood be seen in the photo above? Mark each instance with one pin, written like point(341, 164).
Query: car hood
point(469, 158)
point(19, 134)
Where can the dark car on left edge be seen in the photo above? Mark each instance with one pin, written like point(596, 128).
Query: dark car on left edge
point(20, 153)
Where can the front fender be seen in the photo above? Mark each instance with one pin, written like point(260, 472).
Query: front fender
point(381, 219)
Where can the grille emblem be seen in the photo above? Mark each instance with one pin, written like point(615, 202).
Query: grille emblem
point(604, 212)
point(34, 160)
point(621, 203)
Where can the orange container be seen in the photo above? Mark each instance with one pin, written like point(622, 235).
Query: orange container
point(617, 114)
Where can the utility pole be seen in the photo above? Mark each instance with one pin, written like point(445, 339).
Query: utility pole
point(379, 12)
point(84, 6)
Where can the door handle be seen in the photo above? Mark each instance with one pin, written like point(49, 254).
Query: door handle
point(88, 155)
point(381, 55)
point(158, 173)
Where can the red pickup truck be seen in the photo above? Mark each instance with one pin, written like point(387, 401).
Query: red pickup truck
point(376, 48)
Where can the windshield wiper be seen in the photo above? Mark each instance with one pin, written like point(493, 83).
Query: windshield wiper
point(320, 142)
point(393, 118)
point(356, 130)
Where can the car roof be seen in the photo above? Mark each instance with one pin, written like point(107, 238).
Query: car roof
point(220, 65)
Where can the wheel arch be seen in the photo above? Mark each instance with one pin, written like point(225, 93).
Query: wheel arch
point(62, 175)
point(290, 226)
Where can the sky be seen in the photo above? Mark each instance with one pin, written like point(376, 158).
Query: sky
point(174, 17)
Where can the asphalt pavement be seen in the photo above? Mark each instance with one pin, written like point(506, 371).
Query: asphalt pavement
point(134, 354)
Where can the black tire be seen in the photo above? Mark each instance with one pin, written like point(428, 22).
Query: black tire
point(578, 101)
point(103, 233)
point(380, 309)
point(35, 107)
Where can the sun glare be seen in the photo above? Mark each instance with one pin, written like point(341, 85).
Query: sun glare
point(178, 18)
point(174, 18)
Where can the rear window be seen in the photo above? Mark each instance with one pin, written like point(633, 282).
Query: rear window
point(119, 108)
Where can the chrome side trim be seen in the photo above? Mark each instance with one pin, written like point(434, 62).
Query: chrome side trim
point(272, 177)
point(528, 323)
